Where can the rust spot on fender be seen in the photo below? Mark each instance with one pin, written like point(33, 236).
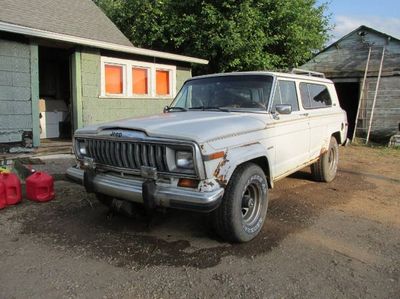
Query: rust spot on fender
point(219, 174)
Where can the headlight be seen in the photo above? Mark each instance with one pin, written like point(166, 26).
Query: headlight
point(184, 160)
point(81, 147)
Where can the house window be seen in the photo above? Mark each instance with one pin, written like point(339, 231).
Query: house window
point(113, 79)
point(162, 82)
point(129, 78)
point(140, 81)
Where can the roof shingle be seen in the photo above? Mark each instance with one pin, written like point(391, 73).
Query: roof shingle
point(80, 18)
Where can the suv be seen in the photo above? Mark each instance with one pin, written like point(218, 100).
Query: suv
point(223, 142)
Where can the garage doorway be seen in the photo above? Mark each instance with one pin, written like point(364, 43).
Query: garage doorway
point(54, 94)
point(348, 94)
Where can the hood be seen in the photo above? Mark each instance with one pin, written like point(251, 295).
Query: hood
point(199, 126)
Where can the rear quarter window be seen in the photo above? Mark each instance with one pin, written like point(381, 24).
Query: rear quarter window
point(315, 96)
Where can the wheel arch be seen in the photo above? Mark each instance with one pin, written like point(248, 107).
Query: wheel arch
point(338, 137)
point(253, 153)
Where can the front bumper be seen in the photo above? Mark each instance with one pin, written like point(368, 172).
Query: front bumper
point(131, 190)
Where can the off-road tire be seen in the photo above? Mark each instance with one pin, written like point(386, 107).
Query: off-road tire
point(324, 170)
point(233, 220)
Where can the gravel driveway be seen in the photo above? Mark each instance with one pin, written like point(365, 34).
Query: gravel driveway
point(320, 241)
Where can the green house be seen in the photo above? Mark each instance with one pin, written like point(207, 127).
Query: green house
point(64, 65)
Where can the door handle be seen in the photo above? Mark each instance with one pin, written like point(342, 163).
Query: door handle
point(305, 114)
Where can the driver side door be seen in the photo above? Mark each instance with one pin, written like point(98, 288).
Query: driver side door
point(290, 132)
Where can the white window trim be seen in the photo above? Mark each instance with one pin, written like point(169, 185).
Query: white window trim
point(127, 78)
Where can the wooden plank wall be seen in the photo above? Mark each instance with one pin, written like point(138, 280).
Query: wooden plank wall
point(15, 90)
point(348, 58)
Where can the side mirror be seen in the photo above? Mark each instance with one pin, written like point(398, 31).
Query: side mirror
point(166, 108)
point(283, 108)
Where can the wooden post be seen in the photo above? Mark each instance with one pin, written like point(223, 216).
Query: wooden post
point(376, 94)
point(76, 79)
point(34, 62)
point(361, 94)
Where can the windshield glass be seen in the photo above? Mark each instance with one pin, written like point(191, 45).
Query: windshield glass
point(250, 92)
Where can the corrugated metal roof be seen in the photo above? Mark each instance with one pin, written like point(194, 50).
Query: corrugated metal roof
point(80, 18)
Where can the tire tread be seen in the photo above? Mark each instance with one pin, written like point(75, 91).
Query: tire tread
point(222, 217)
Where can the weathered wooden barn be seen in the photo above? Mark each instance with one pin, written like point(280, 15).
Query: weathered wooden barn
point(345, 63)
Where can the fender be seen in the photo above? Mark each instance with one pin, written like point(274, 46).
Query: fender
point(239, 155)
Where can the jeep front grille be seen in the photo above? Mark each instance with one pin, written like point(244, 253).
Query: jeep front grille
point(128, 155)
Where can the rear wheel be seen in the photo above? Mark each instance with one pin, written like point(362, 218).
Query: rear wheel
point(324, 170)
point(241, 215)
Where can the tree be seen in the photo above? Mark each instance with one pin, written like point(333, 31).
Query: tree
point(233, 35)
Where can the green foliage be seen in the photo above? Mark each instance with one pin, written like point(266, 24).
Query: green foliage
point(233, 35)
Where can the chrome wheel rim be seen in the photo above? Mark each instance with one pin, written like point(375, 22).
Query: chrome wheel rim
point(251, 204)
point(332, 159)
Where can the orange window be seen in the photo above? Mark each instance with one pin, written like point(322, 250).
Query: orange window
point(139, 81)
point(114, 80)
point(162, 82)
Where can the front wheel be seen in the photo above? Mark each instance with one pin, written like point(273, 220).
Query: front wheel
point(241, 215)
point(324, 170)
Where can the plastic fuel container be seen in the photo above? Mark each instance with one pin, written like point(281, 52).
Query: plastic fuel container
point(40, 187)
point(3, 202)
point(12, 187)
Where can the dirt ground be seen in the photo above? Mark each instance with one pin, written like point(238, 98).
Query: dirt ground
point(337, 240)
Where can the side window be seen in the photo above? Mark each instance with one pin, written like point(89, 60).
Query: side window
point(285, 93)
point(315, 96)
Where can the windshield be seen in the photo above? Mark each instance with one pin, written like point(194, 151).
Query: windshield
point(249, 92)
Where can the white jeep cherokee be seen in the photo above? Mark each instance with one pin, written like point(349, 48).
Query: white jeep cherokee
point(225, 140)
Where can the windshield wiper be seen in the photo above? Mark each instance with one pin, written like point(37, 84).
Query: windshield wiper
point(168, 108)
point(209, 108)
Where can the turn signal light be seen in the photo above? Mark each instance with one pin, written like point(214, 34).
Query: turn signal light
point(188, 183)
point(214, 156)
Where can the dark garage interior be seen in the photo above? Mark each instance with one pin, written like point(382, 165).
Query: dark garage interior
point(348, 94)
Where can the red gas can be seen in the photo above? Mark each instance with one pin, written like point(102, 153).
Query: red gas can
point(40, 187)
point(12, 188)
point(3, 202)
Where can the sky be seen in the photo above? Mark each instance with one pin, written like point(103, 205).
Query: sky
point(382, 15)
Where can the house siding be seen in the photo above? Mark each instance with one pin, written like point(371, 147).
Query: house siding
point(96, 109)
point(15, 90)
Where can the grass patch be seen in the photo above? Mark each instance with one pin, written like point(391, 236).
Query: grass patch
point(383, 149)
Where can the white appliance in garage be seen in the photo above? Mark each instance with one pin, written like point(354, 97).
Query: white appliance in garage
point(52, 112)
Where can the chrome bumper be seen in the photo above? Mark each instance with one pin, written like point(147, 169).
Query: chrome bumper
point(131, 190)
